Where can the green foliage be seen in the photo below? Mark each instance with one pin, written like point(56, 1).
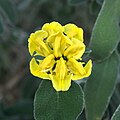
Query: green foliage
point(115, 101)
point(18, 18)
point(52, 105)
point(8, 9)
point(100, 86)
point(99, 1)
point(105, 35)
point(76, 2)
point(116, 115)
point(118, 48)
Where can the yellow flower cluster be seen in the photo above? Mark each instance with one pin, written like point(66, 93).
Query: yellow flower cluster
point(61, 48)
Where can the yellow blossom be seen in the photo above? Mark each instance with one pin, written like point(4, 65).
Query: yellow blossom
point(62, 48)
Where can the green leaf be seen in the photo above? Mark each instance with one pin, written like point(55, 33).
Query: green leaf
point(100, 86)
point(8, 9)
point(76, 2)
point(82, 116)
point(116, 115)
point(52, 105)
point(106, 31)
point(118, 48)
point(115, 99)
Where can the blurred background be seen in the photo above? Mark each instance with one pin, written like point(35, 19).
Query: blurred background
point(18, 18)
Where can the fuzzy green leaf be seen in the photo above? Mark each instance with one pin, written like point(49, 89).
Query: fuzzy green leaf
point(116, 115)
point(52, 105)
point(118, 48)
point(100, 86)
point(106, 31)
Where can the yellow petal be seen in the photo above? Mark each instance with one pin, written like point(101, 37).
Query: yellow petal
point(47, 63)
point(56, 82)
point(61, 85)
point(88, 69)
point(44, 48)
point(41, 34)
point(57, 50)
point(55, 43)
point(36, 43)
point(53, 28)
point(60, 69)
point(39, 38)
point(34, 47)
point(66, 82)
point(58, 42)
point(61, 80)
point(51, 40)
point(73, 31)
point(38, 34)
point(76, 41)
point(36, 71)
point(76, 51)
point(75, 67)
point(65, 42)
point(79, 35)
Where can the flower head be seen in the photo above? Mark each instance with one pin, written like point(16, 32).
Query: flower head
point(60, 47)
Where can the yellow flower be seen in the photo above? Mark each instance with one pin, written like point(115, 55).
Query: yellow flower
point(61, 48)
